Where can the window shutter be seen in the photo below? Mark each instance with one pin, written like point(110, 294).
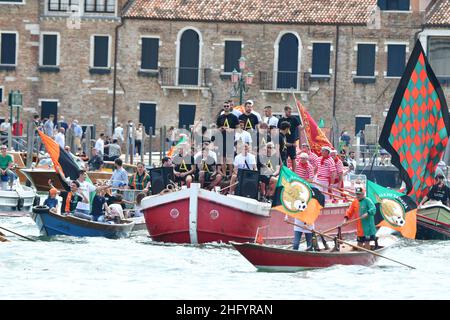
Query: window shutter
point(49, 51)
point(147, 116)
point(232, 55)
point(101, 46)
point(366, 60)
point(321, 59)
point(396, 60)
point(8, 50)
point(186, 115)
point(150, 48)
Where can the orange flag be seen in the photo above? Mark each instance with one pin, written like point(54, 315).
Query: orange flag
point(316, 137)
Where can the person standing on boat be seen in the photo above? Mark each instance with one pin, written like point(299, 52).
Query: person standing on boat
point(438, 192)
point(119, 177)
point(140, 180)
point(326, 171)
point(365, 209)
point(305, 169)
point(6, 165)
point(250, 118)
point(269, 165)
point(226, 122)
point(312, 157)
point(292, 135)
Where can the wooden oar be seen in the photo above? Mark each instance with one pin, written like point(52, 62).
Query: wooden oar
point(229, 186)
point(341, 225)
point(17, 234)
point(349, 193)
point(352, 245)
point(334, 195)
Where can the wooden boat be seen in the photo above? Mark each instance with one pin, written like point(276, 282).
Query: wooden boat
point(40, 174)
point(197, 215)
point(433, 221)
point(51, 224)
point(268, 258)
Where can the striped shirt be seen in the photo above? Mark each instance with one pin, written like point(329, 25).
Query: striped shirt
point(313, 159)
point(325, 170)
point(306, 172)
point(339, 166)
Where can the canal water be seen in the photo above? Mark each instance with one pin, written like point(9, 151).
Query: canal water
point(138, 268)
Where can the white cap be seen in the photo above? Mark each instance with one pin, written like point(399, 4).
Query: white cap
point(304, 155)
point(326, 148)
point(249, 101)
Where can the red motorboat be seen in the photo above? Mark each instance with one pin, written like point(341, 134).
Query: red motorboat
point(196, 215)
point(266, 258)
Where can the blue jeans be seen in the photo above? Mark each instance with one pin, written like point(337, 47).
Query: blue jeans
point(11, 176)
point(298, 237)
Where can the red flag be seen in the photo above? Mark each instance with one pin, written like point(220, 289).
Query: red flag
point(316, 137)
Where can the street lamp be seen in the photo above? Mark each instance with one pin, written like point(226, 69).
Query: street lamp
point(240, 81)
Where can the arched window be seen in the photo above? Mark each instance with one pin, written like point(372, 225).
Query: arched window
point(288, 62)
point(189, 58)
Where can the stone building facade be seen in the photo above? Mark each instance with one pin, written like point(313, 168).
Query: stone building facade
point(340, 58)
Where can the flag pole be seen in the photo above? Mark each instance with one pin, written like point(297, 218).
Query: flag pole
point(301, 119)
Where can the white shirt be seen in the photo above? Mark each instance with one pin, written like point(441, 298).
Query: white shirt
point(212, 154)
point(302, 224)
point(118, 133)
point(272, 121)
point(257, 115)
point(240, 159)
point(100, 145)
point(86, 188)
point(60, 139)
point(244, 136)
point(5, 126)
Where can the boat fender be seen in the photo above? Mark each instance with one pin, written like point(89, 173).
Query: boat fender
point(20, 203)
point(36, 201)
point(41, 209)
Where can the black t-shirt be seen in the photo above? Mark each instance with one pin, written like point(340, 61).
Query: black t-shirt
point(97, 205)
point(73, 201)
point(250, 121)
point(292, 135)
point(268, 165)
point(439, 194)
point(283, 147)
point(227, 121)
point(207, 165)
point(183, 163)
point(110, 199)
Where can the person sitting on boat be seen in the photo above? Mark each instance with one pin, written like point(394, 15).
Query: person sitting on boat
point(51, 201)
point(119, 177)
point(138, 206)
point(365, 209)
point(244, 160)
point(95, 162)
point(269, 165)
point(6, 165)
point(208, 169)
point(184, 165)
point(115, 214)
point(326, 171)
point(99, 206)
point(70, 200)
point(166, 162)
point(140, 180)
point(438, 192)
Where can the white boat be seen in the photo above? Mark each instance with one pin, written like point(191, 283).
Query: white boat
point(19, 198)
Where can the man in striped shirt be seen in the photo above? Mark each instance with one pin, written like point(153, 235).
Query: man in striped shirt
point(305, 169)
point(338, 181)
point(312, 157)
point(326, 171)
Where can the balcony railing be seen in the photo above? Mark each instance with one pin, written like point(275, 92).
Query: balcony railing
point(284, 80)
point(184, 77)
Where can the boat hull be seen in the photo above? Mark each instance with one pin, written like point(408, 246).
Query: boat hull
point(21, 199)
point(199, 216)
point(433, 222)
point(51, 224)
point(266, 258)
point(39, 178)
